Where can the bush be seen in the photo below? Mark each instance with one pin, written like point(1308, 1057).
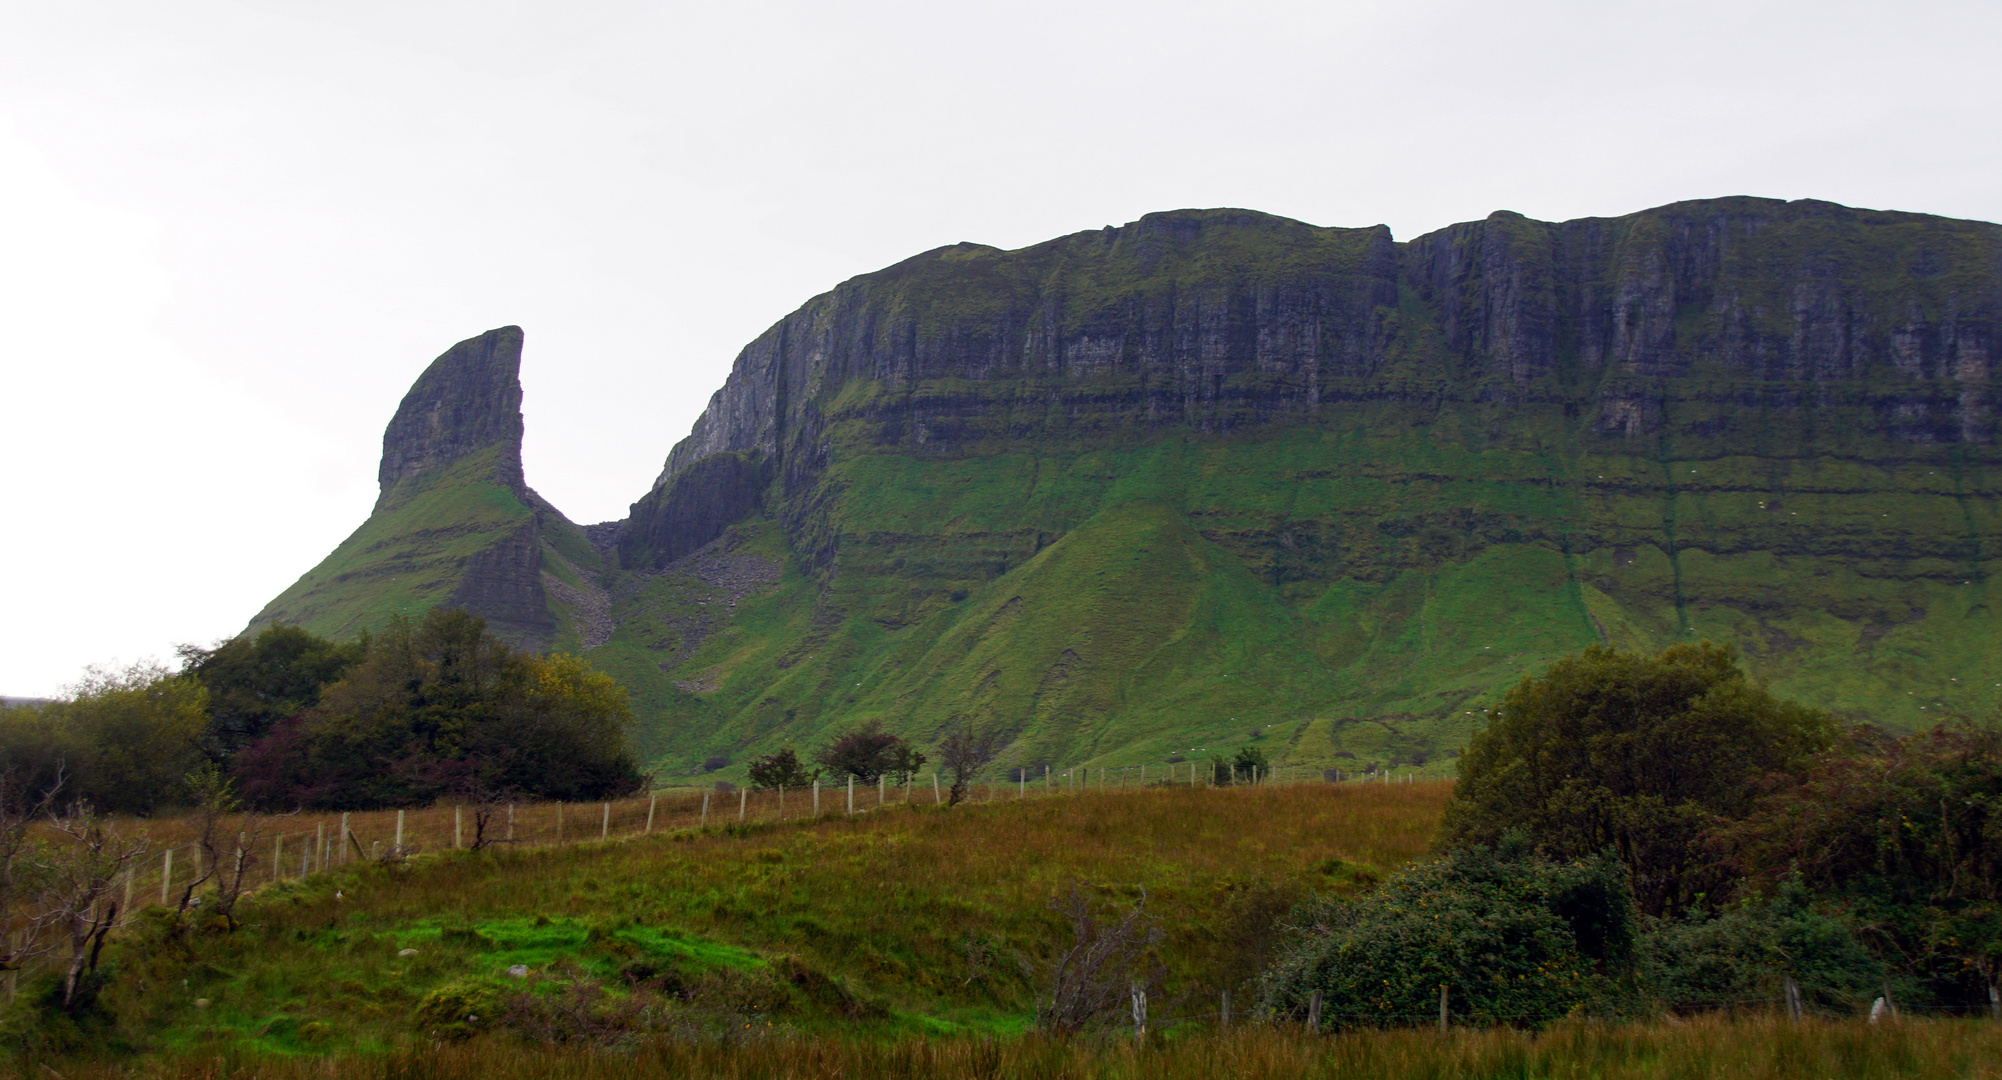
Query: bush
point(1906, 835)
point(1638, 754)
point(781, 770)
point(1740, 956)
point(1516, 939)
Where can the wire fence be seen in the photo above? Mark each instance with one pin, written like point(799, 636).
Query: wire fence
point(268, 849)
point(294, 846)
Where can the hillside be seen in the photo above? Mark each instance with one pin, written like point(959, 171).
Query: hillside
point(1216, 476)
point(911, 918)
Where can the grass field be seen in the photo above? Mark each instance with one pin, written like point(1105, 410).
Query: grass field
point(906, 941)
point(906, 919)
point(1748, 1048)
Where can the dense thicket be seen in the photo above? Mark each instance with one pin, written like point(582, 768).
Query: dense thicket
point(255, 682)
point(441, 709)
point(1637, 755)
point(1513, 938)
point(121, 741)
point(422, 711)
point(1763, 845)
point(1904, 837)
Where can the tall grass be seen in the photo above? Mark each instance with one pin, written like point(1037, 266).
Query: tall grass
point(935, 919)
point(1753, 1049)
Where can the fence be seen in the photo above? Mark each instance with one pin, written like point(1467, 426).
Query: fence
point(312, 842)
point(270, 849)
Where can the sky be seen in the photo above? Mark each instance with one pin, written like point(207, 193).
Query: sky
point(232, 233)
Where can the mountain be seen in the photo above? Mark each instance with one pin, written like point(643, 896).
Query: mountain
point(1217, 476)
point(455, 523)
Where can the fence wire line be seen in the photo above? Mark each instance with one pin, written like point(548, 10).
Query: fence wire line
point(337, 839)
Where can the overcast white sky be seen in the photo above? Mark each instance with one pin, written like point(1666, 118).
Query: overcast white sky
point(232, 233)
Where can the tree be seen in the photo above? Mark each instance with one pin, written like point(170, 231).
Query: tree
point(781, 770)
point(1905, 836)
point(963, 753)
point(1249, 764)
point(1636, 754)
point(864, 753)
point(77, 894)
point(128, 737)
point(1092, 981)
point(433, 702)
point(254, 682)
point(905, 763)
point(228, 854)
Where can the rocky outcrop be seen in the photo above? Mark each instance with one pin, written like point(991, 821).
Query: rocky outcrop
point(455, 523)
point(467, 400)
point(693, 509)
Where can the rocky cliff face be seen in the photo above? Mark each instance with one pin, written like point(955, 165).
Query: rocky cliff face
point(456, 523)
point(469, 399)
point(1769, 422)
point(1219, 320)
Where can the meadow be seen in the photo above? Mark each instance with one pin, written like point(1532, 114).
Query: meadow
point(908, 918)
point(904, 941)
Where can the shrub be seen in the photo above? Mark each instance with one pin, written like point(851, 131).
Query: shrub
point(1740, 956)
point(1906, 835)
point(1516, 939)
point(781, 770)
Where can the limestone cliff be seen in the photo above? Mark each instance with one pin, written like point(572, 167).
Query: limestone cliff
point(1411, 471)
point(455, 522)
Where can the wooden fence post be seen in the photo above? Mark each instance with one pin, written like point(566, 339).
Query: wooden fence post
point(1139, 1014)
point(510, 822)
point(851, 793)
point(935, 799)
point(320, 842)
point(651, 799)
point(1442, 1007)
point(458, 828)
point(166, 873)
point(1046, 779)
point(743, 801)
point(705, 809)
point(1790, 991)
point(881, 779)
point(277, 858)
point(343, 842)
point(1994, 1002)
point(1314, 1012)
point(1223, 1012)
point(398, 849)
point(605, 823)
point(1021, 783)
point(816, 796)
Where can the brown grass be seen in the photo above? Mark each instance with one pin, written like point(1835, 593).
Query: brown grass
point(1752, 1049)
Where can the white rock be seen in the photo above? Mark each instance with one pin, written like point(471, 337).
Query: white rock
point(519, 971)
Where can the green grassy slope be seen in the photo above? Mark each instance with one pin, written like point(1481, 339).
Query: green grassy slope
point(1324, 592)
point(910, 918)
point(408, 555)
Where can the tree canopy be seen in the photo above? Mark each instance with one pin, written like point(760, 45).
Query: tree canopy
point(437, 708)
point(1639, 755)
